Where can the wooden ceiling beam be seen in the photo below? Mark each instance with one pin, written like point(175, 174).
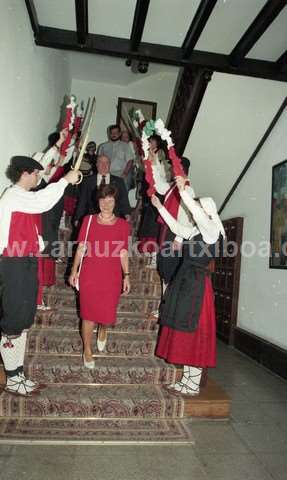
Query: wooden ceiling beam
point(197, 25)
point(282, 62)
point(149, 52)
point(82, 20)
point(265, 17)
point(140, 15)
point(33, 16)
point(188, 97)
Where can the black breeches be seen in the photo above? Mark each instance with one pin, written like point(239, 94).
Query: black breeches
point(18, 288)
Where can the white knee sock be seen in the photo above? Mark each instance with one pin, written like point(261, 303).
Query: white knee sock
point(10, 354)
point(21, 348)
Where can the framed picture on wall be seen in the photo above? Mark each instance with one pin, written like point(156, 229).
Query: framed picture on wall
point(126, 107)
point(278, 235)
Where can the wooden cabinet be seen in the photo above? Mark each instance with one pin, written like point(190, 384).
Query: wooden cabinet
point(226, 279)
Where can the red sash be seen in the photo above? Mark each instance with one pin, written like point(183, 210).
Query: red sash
point(171, 203)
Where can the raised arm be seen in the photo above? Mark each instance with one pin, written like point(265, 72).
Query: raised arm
point(207, 227)
point(177, 228)
point(46, 159)
point(42, 200)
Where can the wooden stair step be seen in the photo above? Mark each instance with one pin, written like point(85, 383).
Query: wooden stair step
point(66, 342)
point(49, 369)
point(69, 319)
point(100, 401)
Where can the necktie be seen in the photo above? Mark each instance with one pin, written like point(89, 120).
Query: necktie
point(103, 181)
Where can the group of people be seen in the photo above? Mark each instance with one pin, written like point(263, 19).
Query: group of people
point(119, 149)
point(186, 230)
point(30, 215)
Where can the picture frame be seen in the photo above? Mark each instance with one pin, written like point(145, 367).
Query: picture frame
point(125, 105)
point(278, 225)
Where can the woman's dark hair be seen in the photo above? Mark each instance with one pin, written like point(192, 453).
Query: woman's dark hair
point(103, 192)
point(107, 191)
point(14, 173)
point(53, 138)
point(185, 162)
point(161, 144)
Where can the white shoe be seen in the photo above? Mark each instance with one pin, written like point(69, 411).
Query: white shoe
point(27, 381)
point(186, 389)
point(18, 386)
point(89, 364)
point(101, 344)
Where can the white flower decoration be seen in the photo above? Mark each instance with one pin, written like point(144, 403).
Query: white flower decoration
point(140, 116)
point(164, 133)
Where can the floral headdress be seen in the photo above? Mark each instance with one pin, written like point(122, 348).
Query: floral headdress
point(146, 130)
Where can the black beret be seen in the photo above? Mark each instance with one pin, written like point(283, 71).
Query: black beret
point(25, 162)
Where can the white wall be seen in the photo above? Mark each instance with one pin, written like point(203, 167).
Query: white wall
point(157, 88)
point(233, 117)
point(263, 299)
point(33, 80)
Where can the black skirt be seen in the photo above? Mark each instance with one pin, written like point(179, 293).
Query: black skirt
point(181, 304)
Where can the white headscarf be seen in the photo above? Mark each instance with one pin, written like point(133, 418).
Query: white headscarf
point(209, 206)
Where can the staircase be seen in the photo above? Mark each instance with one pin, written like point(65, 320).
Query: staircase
point(122, 400)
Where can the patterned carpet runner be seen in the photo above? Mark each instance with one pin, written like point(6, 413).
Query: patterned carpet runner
point(123, 400)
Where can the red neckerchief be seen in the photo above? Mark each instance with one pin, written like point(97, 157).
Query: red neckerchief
point(171, 203)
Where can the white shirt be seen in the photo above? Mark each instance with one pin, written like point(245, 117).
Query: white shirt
point(162, 187)
point(100, 177)
point(204, 225)
point(45, 159)
point(119, 153)
point(17, 199)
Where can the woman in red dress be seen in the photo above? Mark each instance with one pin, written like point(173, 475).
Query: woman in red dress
point(103, 273)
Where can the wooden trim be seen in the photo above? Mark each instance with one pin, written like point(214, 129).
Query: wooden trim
point(140, 15)
point(122, 100)
point(266, 353)
point(82, 20)
point(33, 16)
point(265, 17)
point(149, 52)
point(282, 62)
point(254, 154)
point(226, 314)
point(197, 26)
point(197, 91)
point(279, 267)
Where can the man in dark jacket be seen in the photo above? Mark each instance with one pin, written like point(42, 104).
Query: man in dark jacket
point(88, 189)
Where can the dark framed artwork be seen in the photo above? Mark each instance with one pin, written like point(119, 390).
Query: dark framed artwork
point(126, 106)
point(278, 233)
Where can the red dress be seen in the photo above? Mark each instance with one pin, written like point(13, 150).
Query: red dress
point(101, 274)
point(197, 348)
